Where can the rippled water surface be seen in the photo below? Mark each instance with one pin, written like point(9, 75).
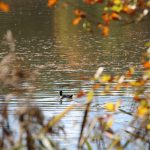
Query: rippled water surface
point(72, 55)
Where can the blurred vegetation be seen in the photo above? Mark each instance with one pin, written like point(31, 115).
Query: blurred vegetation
point(35, 132)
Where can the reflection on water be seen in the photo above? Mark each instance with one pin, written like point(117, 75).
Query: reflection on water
point(47, 37)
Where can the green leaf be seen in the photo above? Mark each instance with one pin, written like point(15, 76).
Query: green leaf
point(117, 8)
point(88, 145)
point(147, 44)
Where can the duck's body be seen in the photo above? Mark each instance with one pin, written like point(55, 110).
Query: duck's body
point(65, 96)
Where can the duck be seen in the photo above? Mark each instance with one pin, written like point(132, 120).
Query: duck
point(64, 96)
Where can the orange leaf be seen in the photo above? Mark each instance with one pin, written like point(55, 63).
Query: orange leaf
point(90, 2)
point(4, 7)
point(105, 30)
point(106, 18)
point(136, 98)
point(52, 3)
point(130, 72)
point(146, 65)
point(117, 87)
point(96, 86)
point(80, 94)
point(79, 13)
point(115, 16)
point(76, 21)
point(126, 9)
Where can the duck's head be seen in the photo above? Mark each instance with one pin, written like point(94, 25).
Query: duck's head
point(60, 93)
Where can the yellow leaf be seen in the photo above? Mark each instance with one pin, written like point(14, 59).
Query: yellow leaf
point(90, 96)
point(109, 123)
point(142, 111)
point(112, 106)
point(147, 44)
point(148, 126)
point(58, 117)
point(117, 2)
point(105, 78)
point(109, 106)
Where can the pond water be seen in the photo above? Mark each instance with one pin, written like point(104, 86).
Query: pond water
point(46, 37)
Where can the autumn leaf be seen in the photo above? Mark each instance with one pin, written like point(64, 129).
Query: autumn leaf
point(52, 3)
point(96, 86)
point(105, 78)
point(76, 21)
point(4, 7)
point(117, 87)
point(137, 98)
point(80, 94)
point(142, 111)
point(112, 106)
point(79, 13)
point(115, 16)
point(137, 83)
point(90, 96)
point(117, 2)
point(91, 2)
point(130, 72)
point(106, 18)
point(146, 65)
point(148, 126)
point(61, 115)
point(105, 30)
point(109, 123)
point(147, 44)
point(126, 9)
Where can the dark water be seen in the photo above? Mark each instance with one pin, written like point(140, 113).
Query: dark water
point(46, 37)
